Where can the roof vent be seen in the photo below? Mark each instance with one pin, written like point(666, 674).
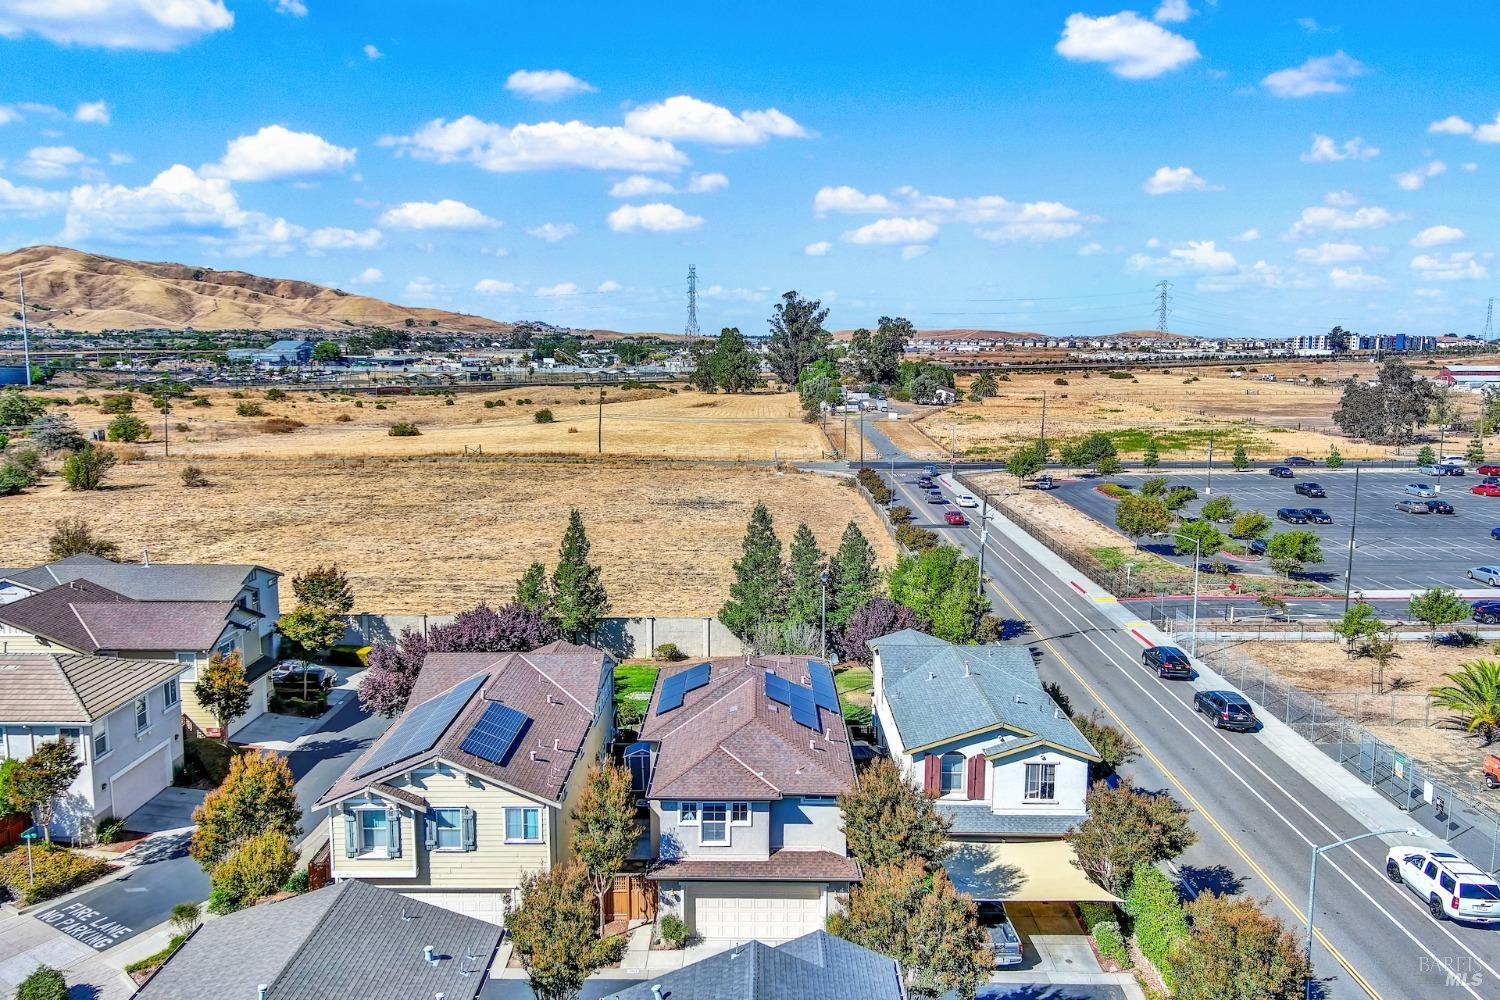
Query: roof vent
point(260, 991)
point(428, 956)
point(932, 675)
point(656, 990)
point(533, 756)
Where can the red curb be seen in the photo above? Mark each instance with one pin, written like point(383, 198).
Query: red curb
point(1148, 642)
point(1076, 587)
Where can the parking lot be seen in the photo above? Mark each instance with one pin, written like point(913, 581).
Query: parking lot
point(1393, 550)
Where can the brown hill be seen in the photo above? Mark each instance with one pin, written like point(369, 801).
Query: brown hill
point(71, 290)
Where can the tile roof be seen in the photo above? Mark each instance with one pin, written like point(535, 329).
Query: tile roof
point(729, 740)
point(38, 688)
point(156, 582)
point(782, 866)
point(87, 617)
point(981, 821)
point(348, 941)
point(938, 691)
point(815, 965)
point(556, 686)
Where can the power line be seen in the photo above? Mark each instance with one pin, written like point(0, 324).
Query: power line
point(692, 317)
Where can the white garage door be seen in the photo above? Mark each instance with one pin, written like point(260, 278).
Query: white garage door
point(486, 906)
point(259, 703)
point(134, 788)
point(769, 912)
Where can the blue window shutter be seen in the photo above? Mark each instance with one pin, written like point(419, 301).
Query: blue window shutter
point(431, 822)
point(351, 835)
point(468, 828)
point(393, 826)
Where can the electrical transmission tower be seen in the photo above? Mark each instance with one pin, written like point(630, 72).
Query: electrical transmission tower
point(692, 320)
point(1163, 304)
point(1489, 320)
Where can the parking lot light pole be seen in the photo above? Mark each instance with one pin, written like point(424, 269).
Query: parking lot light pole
point(984, 534)
point(1353, 520)
point(1197, 565)
point(1208, 489)
point(1312, 888)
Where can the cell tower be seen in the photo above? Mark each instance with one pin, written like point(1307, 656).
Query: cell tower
point(1163, 304)
point(692, 321)
point(1489, 319)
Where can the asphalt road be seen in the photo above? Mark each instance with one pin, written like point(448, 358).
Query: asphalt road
point(1257, 817)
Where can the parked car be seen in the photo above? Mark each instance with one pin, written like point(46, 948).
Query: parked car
point(1491, 480)
point(1488, 575)
point(1488, 469)
point(1297, 460)
point(1257, 546)
point(936, 496)
point(1292, 515)
point(1004, 940)
point(1440, 506)
point(303, 681)
point(1421, 490)
point(1453, 888)
point(1309, 490)
point(1429, 470)
point(1454, 460)
point(1168, 661)
point(1450, 469)
point(1227, 709)
point(956, 519)
point(1486, 612)
point(1045, 483)
point(1413, 507)
point(1280, 472)
point(1491, 771)
point(966, 500)
point(1317, 515)
point(1486, 489)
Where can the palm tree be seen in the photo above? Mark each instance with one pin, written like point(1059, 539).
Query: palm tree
point(1474, 693)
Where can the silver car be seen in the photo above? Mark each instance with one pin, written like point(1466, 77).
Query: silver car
point(1421, 490)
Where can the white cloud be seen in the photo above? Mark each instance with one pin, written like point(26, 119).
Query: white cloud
point(51, 162)
point(552, 232)
point(818, 249)
point(1193, 257)
point(156, 25)
point(847, 199)
point(1091, 250)
point(291, 8)
point(722, 294)
point(914, 251)
point(444, 214)
point(1319, 75)
point(28, 200)
point(605, 287)
point(1173, 12)
point(657, 217)
point(1036, 221)
point(707, 183)
point(1332, 253)
point(8, 114)
point(546, 84)
point(419, 289)
point(1436, 236)
point(1326, 150)
point(276, 152)
point(1341, 199)
point(894, 230)
point(1457, 266)
point(494, 286)
point(560, 289)
point(1413, 179)
point(119, 159)
point(1354, 278)
point(1248, 236)
point(92, 113)
point(638, 185)
point(543, 146)
point(372, 53)
point(369, 276)
point(1469, 168)
point(1339, 215)
point(1257, 275)
point(1452, 125)
point(336, 238)
point(1172, 180)
point(1490, 132)
point(1130, 46)
point(687, 119)
point(1429, 293)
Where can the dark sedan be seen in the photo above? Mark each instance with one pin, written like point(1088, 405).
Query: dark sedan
point(1292, 515)
point(1280, 472)
point(1317, 515)
point(1168, 661)
point(1298, 460)
point(1440, 506)
point(1227, 710)
point(1309, 490)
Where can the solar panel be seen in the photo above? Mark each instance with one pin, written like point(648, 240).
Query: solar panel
point(672, 690)
point(804, 707)
point(826, 695)
point(695, 677)
point(495, 735)
point(422, 727)
point(778, 688)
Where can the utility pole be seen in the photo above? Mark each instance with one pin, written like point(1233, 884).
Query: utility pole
point(601, 420)
point(1353, 520)
point(1208, 490)
point(1489, 319)
point(952, 449)
point(692, 317)
point(861, 437)
point(1163, 304)
point(25, 331)
point(1042, 440)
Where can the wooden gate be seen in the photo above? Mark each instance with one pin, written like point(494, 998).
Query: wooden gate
point(632, 898)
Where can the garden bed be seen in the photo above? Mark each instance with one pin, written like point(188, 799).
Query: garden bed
point(53, 871)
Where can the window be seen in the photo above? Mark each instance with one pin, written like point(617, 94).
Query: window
point(739, 814)
point(1431, 870)
point(189, 664)
point(715, 828)
point(225, 649)
point(142, 716)
point(1446, 881)
point(1041, 781)
point(523, 825)
point(374, 831)
point(449, 827)
point(952, 775)
point(101, 743)
point(170, 693)
point(687, 813)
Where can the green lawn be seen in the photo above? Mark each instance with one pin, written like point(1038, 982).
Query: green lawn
point(631, 678)
point(853, 679)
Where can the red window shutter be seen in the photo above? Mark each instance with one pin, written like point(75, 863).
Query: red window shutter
point(933, 778)
point(976, 776)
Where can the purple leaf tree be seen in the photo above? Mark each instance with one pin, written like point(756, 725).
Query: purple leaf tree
point(876, 617)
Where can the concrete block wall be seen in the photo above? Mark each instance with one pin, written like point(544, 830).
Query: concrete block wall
point(621, 637)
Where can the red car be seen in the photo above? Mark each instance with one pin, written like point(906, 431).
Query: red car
point(1488, 470)
point(1486, 490)
point(958, 520)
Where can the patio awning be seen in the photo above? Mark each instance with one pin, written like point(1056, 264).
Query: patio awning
point(1022, 871)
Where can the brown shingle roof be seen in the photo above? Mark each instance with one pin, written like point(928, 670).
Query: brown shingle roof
point(68, 688)
point(728, 740)
point(54, 613)
point(89, 618)
point(782, 866)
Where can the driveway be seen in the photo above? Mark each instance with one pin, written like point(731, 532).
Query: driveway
point(170, 809)
point(26, 945)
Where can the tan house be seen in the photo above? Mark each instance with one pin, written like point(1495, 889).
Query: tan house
point(472, 786)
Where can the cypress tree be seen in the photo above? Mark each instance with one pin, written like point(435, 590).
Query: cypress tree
point(853, 579)
point(805, 565)
point(758, 593)
point(579, 600)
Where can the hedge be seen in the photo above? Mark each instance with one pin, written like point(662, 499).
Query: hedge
point(1114, 490)
point(874, 485)
point(1156, 911)
point(1102, 923)
point(58, 870)
point(915, 539)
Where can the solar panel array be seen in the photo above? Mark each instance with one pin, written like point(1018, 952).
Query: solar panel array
point(674, 688)
point(802, 701)
point(778, 688)
point(495, 735)
point(824, 692)
point(422, 727)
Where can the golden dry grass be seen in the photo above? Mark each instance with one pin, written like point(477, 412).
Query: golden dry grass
point(1324, 666)
point(439, 535)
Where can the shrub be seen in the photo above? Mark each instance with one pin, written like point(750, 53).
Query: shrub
point(194, 477)
point(542, 416)
point(874, 485)
point(279, 425)
point(85, 468)
point(673, 931)
point(1111, 943)
point(237, 394)
point(150, 962)
point(109, 831)
point(915, 539)
point(275, 395)
point(250, 410)
point(258, 867)
point(296, 882)
point(1059, 381)
point(58, 870)
point(342, 418)
point(122, 403)
point(1154, 487)
point(900, 514)
point(1157, 914)
point(201, 401)
point(669, 651)
point(404, 429)
point(46, 983)
point(448, 401)
point(630, 713)
point(127, 428)
point(1114, 490)
point(185, 917)
point(1178, 496)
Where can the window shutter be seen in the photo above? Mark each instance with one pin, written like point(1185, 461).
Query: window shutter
point(351, 835)
point(932, 781)
point(393, 826)
point(468, 828)
point(977, 767)
point(431, 823)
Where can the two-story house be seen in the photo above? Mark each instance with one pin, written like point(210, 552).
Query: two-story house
point(473, 785)
point(740, 761)
point(180, 613)
point(973, 727)
point(124, 716)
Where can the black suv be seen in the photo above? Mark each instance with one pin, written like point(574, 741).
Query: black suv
point(1487, 612)
point(1227, 709)
point(1280, 472)
point(1168, 661)
point(1317, 515)
point(1292, 515)
point(1309, 490)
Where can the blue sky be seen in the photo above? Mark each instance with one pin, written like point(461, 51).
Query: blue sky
point(1005, 166)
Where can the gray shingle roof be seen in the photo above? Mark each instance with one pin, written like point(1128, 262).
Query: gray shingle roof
point(37, 688)
point(816, 965)
point(347, 941)
point(157, 582)
point(980, 820)
point(938, 691)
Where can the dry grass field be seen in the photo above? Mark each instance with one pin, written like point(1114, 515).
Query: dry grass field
point(439, 535)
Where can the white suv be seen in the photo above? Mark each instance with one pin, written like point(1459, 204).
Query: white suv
point(1453, 888)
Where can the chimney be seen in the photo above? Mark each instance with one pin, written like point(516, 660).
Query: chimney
point(428, 956)
point(655, 993)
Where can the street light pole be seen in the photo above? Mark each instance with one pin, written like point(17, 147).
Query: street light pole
point(1208, 490)
point(823, 620)
point(1197, 565)
point(1312, 888)
point(861, 437)
point(984, 534)
point(1042, 440)
point(1353, 520)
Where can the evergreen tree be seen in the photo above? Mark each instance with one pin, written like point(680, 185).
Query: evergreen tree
point(1335, 457)
point(1150, 458)
point(805, 565)
point(758, 591)
point(1475, 451)
point(579, 600)
point(1241, 458)
point(852, 577)
point(531, 589)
